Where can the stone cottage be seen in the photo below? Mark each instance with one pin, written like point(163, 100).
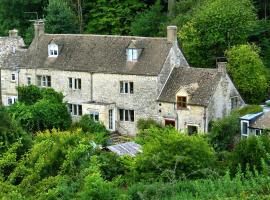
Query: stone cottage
point(11, 52)
point(120, 79)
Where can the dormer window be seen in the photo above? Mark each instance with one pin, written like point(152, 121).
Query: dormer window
point(52, 50)
point(181, 102)
point(132, 54)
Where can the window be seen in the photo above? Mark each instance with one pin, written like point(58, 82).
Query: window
point(234, 103)
point(257, 132)
point(94, 116)
point(13, 77)
point(44, 81)
point(181, 102)
point(28, 80)
point(75, 109)
point(126, 115)
point(244, 127)
point(126, 87)
point(192, 130)
point(75, 83)
point(132, 54)
point(52, 50)
point(11, 100)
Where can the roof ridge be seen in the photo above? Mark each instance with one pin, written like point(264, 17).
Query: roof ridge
point(109, 36)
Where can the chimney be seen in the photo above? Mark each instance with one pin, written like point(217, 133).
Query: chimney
point(39, 26)
point(172, 34)
point(221, 63)
point(13, 33)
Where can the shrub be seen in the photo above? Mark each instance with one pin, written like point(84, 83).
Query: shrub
point(224, 131)
point(143, 124)
point(96, 129)
point(250, 153)
point(169, 155)
point(249, 109)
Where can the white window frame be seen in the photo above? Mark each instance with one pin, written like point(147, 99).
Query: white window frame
point(43, 81)
point(11, 100)
point(94, 115)
point(127, 115)
point(126, 87)
point(53, 50)
point(132, 54)
point(75, 109)
point(29, 80)
point(242, 125)
point(13, 77)
point(75, 83)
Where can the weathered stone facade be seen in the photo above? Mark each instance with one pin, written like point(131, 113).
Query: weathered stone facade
point(103, 80)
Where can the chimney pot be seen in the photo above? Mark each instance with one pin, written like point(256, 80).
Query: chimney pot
point(39, 26)
point(172, 34)
point(13, 33)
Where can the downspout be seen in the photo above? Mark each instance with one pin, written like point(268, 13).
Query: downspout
point(91, 87)
point(204, 118)
point(177, 117)
point(0, 87)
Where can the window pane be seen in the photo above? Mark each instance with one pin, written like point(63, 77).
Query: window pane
point(13, 77)
point(135, 54)
point(131, 115)
point(131, 87)
point(121, 113)
point(245, 128)
point(39, 80)
point(130, 54)
point(28, 80)
point(97, 117)
point(44, 81)
point(48, 81)
point(70, 82)
point(76, 83)
point(51, 52)
point(80, 110)
point(70, 108)
point(126, 87)
point(75, 110)
point(121, 87)
point(126, 115)
point(79, 83)
point(55, 52)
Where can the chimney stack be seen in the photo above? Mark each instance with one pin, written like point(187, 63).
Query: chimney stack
point(39, 26)
point(13, 33)
point(172, 34)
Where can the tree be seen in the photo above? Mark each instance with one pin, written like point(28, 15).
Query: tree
point(216, 26)
point(149, 22)
point(113, 17)
point(40, 109)
point(169, 155)
point(247, 72)
point(60, 18)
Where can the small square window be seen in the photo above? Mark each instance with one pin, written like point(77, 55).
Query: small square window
point(29, 81)
point(181, 102)
point(13, 77)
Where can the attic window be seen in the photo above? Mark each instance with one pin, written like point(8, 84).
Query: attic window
point(181, 102)
point(52, 50)
point(132, 54)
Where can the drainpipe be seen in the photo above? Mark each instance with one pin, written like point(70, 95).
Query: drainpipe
point(91, 94)
point(0, 87)
point(204, 118)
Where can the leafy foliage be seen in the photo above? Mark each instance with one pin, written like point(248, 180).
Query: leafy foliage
point(40, 109)
point(251, 153)
point(224, 132)
point(174, 156)
point(250, 109)
point(60, 18)
point(248, 72)
point(216, 26)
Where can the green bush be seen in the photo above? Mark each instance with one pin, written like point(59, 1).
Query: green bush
point(168, 154)
point(143, 124)
point(250, 153)
point(95, 129)
point(224, 131)
point(249, 109)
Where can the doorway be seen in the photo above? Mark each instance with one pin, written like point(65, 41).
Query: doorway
point(170, 122)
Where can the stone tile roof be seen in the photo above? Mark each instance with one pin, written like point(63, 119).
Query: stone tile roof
point(100, 54)
point(13, 60)
point(263, 122)
point(200, 83)
point(6, 45)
